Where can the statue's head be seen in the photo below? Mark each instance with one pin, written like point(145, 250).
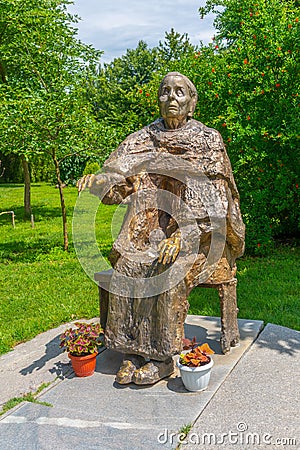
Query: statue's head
point(177, 97)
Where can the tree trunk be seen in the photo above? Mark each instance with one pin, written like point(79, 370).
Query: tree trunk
point(62, 201)
point(27, 200)
point(3, 74)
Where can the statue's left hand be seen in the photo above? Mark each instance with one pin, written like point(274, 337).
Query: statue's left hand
point(169, 248)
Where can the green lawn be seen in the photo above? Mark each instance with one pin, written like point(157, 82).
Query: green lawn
point(42, 286)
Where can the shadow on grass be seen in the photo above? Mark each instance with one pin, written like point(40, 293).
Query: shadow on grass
point(22, 251)
point(39, 212)
point(15, 185)
point(41, 249)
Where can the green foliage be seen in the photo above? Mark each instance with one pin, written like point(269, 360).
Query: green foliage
point(248, 85)
point(71, 168)
point(175, 47)
point(82, 340)
point(44, 70)
point(41, 285)
point(185, 429)
point(29, 397)
point(125, 93)
point(11, 168)
point(268, 289)
point(91, 167)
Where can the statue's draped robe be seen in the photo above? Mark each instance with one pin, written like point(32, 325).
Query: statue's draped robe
point(140, 171)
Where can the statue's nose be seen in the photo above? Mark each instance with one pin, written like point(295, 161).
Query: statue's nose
point(172, 95)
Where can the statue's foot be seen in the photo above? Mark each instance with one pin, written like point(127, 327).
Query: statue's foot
point(153, 371)
point(129, 365)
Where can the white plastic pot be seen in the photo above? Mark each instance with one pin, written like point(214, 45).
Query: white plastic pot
point(195, 378)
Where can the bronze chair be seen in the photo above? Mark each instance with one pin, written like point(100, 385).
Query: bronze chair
point(228, 305)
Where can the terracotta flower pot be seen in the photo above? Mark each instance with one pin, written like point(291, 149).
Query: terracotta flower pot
point(83, 366)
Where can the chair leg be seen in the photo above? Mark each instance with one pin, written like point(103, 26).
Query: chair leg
point(103, 278)
point(230, 335)
point(103, 303)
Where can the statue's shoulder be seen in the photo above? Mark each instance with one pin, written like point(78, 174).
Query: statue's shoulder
point(135, 137)
point(133, 142)
point(213, 138)
point(144, 133)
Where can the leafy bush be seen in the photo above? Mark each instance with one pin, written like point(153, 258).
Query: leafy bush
point(91, 167)
point(248, 85)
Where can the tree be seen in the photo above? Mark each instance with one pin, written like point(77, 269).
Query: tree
point(174, 47)
point(248, 85)
point(44, 70)
point(124, 95)
point(114, 94)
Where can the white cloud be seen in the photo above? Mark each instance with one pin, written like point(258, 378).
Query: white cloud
point(116, 25)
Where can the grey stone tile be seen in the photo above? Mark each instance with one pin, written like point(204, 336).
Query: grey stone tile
point(258, 404)
point(110, 416)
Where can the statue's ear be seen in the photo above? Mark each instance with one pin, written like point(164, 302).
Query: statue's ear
point(192, 107)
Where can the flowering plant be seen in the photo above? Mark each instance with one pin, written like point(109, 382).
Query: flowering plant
point(83, 340)
point(198, 354)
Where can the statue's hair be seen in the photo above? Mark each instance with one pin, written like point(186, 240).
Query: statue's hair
point(191, 87)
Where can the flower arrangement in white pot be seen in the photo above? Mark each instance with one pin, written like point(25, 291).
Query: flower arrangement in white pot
point(195, 364)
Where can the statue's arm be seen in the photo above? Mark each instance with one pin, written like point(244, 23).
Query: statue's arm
point(111, 188)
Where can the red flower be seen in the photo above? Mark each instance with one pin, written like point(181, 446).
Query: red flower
point(246, 61)
point(140, 91)
point(290, 25)
point(248, 117)
point(224, 124)
point(251, 14)
point(147, 94)
point(229, 75)
point(213, 70)
point(262, 92)
point(297, 185)
point(296, 20)
point(254, 36)
point(262, 74)
point(277, 85)
point(217, 95)
point(210, 83)
point(216, 46)
point(258, 245)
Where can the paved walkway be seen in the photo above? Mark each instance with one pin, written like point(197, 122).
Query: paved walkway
point(253, 396)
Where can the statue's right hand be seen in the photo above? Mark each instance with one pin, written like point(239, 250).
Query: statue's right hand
point(85, 182)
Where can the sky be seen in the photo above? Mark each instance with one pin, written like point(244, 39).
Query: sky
point(117, 25)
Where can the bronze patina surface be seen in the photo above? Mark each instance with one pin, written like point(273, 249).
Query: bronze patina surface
point(183, 223)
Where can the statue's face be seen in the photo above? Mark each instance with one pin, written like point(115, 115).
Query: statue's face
point(175, 99)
